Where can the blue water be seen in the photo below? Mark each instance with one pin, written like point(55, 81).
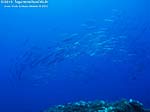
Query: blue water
point(74, 50)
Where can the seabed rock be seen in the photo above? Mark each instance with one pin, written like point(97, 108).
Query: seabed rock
point(100, 106)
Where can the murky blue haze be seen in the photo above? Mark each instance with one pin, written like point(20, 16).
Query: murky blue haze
point(74, 50)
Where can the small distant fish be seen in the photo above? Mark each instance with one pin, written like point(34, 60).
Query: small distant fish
point(84, 25)
point(91, 27)
point(74, 35)
point(92, 54)
point(76, 43)
point(123, 37)
point(100, 32)
point(108, 20)
point(68, 40)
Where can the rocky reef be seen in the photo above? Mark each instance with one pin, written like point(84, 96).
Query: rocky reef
point(100, 106)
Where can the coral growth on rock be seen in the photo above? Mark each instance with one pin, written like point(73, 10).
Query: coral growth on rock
point(100, 106)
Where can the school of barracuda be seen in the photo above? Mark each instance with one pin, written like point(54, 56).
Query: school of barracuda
point(93, 41)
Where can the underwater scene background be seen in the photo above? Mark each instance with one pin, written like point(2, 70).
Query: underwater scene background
point(74, 50)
